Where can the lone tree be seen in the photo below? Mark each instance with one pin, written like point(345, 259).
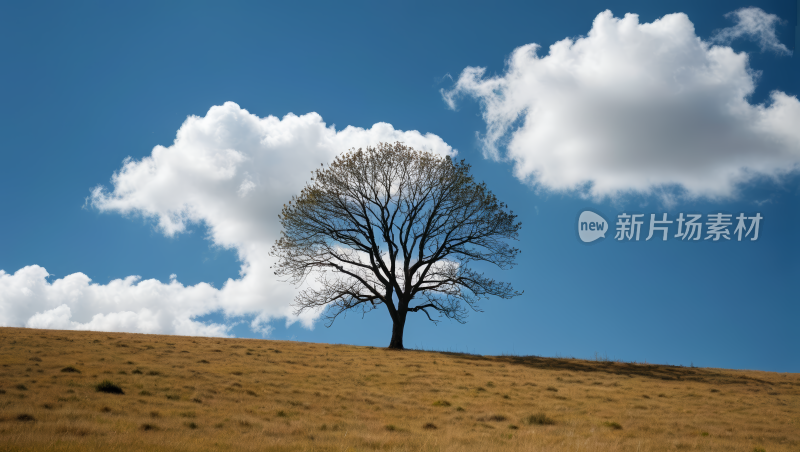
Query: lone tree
point(394, 226)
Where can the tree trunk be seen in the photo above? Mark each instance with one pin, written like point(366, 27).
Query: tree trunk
point(397, 331)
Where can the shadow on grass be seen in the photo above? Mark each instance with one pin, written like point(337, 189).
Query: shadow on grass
point(655, 371)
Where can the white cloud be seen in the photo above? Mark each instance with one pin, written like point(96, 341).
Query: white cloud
point(645, 108)
point(73, 302)
point(756, 24)
point(229, 171)
point(246, 187)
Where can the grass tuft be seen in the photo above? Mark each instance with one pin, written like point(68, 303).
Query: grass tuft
point(108, 387)
point(613, 425)
point(539, 419)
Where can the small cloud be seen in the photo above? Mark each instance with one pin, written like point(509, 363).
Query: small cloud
point(440, 80)
point(260, 324)
point(246, 187)
point(755, 24)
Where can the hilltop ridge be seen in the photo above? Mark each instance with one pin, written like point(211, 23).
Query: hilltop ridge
point(200, 393)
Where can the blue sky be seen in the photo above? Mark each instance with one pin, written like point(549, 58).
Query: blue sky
point(86, 86)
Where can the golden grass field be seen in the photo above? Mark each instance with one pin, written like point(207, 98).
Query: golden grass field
point(196, 394)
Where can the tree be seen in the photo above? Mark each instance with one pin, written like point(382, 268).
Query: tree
point(393, 226)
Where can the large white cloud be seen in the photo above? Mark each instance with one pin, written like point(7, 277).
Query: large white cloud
point(229, 171)
point(634, 107)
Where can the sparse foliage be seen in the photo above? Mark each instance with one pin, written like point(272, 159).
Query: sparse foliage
point(398, 227)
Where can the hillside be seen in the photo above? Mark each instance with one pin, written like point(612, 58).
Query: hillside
point(196, 393)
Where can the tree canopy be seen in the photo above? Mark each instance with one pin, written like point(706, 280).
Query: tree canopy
point(397, 227)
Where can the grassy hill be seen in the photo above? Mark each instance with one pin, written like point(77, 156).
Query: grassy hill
point(194, 393)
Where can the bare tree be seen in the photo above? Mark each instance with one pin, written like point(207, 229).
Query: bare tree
point(390, 226)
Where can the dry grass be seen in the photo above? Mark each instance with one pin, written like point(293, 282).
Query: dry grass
point(191, 393)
